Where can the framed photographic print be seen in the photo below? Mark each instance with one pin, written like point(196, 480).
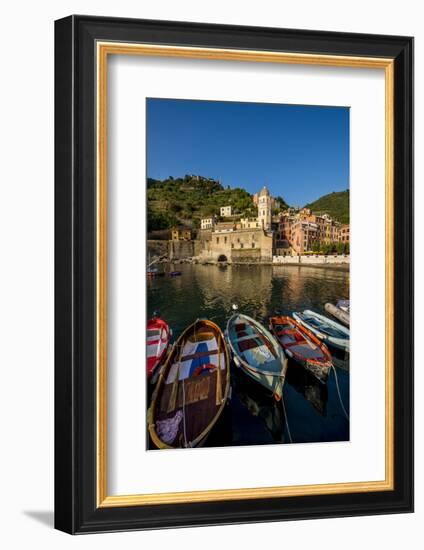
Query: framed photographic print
point(234, 274)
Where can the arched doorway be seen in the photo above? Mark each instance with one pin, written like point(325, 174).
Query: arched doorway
point(222, 258)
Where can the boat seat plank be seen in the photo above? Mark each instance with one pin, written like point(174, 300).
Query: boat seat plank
point(296, 343)
point(247, 337)
point(250, 343)
point(199, 354)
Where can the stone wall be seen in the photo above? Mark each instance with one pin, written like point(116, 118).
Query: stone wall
point(197, 246)
point(181, 250)
point(157, 249)
point(245, 245)
point(246, 256)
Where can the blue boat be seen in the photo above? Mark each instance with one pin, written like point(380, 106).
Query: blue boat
point(257, 352)
point(324, 328)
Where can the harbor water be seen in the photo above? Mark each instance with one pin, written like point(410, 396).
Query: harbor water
point(313, 412)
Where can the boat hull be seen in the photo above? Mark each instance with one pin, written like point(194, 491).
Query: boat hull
point(272, 383)
point(338, 313)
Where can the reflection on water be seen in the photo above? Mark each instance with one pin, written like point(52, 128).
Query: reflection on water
point(252, 417)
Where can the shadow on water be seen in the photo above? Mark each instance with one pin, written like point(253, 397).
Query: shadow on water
point(252, 417)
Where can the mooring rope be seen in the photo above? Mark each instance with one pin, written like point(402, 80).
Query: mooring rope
point(338, 392)
point(286, 419)
point(184, 416)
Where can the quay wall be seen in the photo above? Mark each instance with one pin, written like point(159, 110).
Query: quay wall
point(157, 249)
point(172, 250)
point(312, 259)
point(246, 256)
point(204, 251)
point(181, 250)
point(237, 246)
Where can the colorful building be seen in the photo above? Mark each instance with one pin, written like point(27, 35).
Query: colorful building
point(305, 231)
point(344, 235)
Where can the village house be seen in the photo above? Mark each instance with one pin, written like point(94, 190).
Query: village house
point(181, 233)
point(226, 211)
point(344, 234)
point(207, 223)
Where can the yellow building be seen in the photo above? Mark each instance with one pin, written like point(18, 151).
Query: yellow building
point(181, 234)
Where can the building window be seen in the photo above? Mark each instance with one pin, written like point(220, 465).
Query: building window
point(225, 239)
point(242, 245)
point(217, 240)
point(253, 245)
point(232, 245)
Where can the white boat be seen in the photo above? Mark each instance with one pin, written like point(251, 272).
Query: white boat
point(344, 305)
point(257, 352)
point(327, 330)
point(340, 314)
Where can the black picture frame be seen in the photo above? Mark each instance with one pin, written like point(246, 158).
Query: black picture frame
point(76, 508)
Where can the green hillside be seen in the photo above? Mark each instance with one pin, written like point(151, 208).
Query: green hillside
point(188, 199)
point(335, 204)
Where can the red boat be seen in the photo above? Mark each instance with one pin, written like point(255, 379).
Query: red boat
point(158, 336)
point(303, 346)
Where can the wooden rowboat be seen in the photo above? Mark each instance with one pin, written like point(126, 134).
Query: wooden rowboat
point(300, 344)
point(324, 328)
point(257, 352)
point(192, 389)
point(158, 336)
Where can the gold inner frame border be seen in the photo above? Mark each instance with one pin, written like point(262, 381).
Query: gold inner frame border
point(103, 50)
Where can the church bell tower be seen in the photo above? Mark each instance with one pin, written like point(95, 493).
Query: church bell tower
point(264, 209)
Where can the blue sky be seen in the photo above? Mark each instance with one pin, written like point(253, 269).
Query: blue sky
point(299, 152)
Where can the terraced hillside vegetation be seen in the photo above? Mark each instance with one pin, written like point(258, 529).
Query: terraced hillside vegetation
point(188, 199)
